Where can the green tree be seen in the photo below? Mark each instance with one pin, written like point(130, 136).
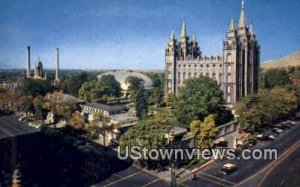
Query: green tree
point(110, 86)
point(205, 133)
point(148, 133)
point(38, 103)
point(134, 84)
point(26, 105)
point(267, 107)
point(66, 109)
point(276, 77)
point(32, 87)
point(141, 105)
point(199, 98)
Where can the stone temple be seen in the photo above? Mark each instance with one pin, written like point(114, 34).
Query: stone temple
point(236, 70)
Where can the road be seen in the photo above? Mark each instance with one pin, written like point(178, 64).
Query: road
point(287, 173)
point(210, 176)
point(132, 177)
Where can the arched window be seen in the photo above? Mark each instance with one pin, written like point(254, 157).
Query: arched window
point(214, 76)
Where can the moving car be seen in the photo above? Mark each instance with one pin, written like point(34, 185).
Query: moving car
point(228, 168)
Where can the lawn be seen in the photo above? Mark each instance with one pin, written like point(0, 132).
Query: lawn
point(168, 112)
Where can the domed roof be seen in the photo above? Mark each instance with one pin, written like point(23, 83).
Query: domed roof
point(121, 75)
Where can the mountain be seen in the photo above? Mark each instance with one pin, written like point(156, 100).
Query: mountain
point(292, 60)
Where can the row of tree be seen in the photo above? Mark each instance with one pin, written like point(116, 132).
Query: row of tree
point(266, 108)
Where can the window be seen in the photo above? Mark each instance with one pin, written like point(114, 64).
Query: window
point(190, 75)
point(229, 58)
point(229, 78)
point(195, 74)
point(229, 68)
point(228, 99)
point(214, 76)
point(220, 77)
point(229, 89)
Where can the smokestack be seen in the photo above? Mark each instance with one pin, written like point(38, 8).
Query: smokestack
point(28, 62)
point(57, 64)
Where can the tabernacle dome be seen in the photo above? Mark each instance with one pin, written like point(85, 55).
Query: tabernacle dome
point(121, 75)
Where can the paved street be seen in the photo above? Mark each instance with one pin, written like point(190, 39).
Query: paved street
point(210, 176)
point(132, 177)
point(287, 173)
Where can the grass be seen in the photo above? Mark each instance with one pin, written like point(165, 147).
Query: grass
point(168, 112)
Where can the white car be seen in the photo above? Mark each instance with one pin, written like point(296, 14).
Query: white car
point(22, 118)
point(291, 122)
point(278, 130)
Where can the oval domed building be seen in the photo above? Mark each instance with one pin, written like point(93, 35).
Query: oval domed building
point(121, 75)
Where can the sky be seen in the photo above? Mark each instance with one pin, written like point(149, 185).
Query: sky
point(133, 34)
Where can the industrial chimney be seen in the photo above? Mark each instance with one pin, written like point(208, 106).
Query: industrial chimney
point(28, 62)
point(57, 65)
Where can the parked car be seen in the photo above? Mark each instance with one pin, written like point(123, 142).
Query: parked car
point(291, 122)
point(262, 136)
point(280, 130)
point(252, 142)
point(22, 118)
point(273, 136)
point(228, 168)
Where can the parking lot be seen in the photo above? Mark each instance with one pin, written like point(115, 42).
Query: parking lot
point(132, 177)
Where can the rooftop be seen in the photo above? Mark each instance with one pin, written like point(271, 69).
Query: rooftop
point(103, 107)
point(10, 127)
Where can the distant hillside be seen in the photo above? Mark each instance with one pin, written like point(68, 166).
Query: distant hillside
point(292, 60)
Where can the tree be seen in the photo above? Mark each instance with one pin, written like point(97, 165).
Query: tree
point(71, 84)
point(134, 84)
point(90, 91)
point(98, 91)
point(33, 88)
point(198, 98)
point(100, 126)
point(26, 105)
point(38, 103)
point(148, 133)
point(110, 86)
point(267, 107)
point(205, 133)
point(66, 109)
point(77, 120)
point(141, 105)
point(276, 77)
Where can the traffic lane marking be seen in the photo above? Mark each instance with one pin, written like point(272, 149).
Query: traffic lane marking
point(124, 178)
point(217, 178)
point(139, 179)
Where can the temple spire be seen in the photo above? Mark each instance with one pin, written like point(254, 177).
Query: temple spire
point(242, 22)
point(194, 38)
point(251, 30)
point(183, 30)
point(172, 36)
point(231, 25)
